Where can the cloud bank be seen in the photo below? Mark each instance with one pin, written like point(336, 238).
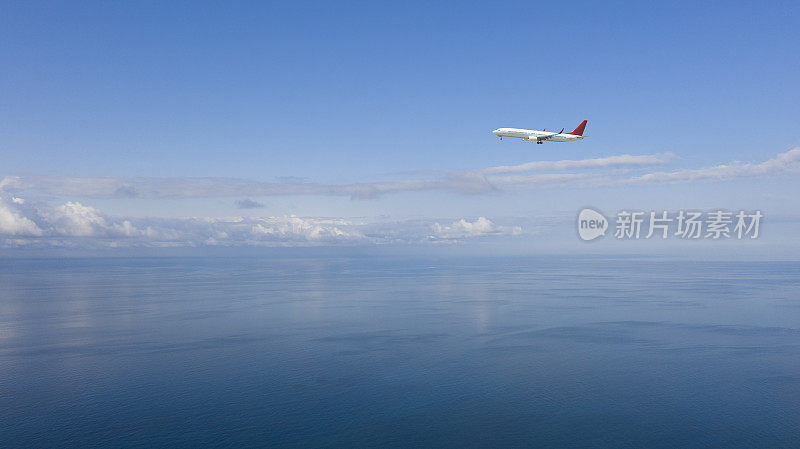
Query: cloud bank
point(491, 180)
point(72, 223)
point(783, 163)
point(76, 225)
point(602, 162)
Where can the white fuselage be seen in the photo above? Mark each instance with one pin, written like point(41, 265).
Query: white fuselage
point(535, 136)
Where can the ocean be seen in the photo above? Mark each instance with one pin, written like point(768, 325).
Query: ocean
point(399, 352)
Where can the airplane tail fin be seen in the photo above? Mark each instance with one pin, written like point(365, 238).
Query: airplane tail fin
point(579, 130)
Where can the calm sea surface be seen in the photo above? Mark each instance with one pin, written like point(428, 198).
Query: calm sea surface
point(369, 352)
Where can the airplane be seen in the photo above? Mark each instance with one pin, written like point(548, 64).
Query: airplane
point(539, 137)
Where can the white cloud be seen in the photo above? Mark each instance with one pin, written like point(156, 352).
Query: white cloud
point(492, 180)
point(463, 228)
point(293, 228)
point(75, 219)
point(464, 182)
point(12, 222)
point(548, 180)
point(783, 163)
point(602, 162)
point(75, 224)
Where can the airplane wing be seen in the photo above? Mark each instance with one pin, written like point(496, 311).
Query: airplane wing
point(550, 136)
point(547, 137)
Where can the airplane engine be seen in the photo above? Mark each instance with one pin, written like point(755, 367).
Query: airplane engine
point(529, 139)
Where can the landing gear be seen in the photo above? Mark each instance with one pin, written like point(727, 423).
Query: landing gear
point(539, 142)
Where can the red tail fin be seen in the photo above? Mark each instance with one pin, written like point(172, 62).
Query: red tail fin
point(579, 130)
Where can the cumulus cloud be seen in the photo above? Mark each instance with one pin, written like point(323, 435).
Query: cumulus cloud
point(293, 228)
point(75, 224)
point(12, 220)
point(463, 228)
point(75, 219)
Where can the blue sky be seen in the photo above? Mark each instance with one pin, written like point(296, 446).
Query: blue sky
point(373, 92)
